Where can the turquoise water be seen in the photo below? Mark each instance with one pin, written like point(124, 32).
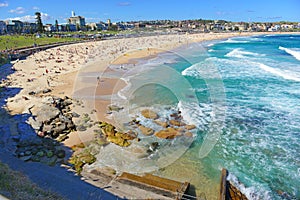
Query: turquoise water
point(243, 94)
point(260, 142)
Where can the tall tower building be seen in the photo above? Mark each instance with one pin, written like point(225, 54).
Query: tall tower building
point(109, 22)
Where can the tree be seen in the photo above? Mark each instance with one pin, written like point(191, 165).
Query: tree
point(113, 27)
point(68, 27)
point(39, 22)
point(56, 25)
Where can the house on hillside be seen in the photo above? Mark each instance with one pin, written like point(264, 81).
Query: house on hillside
point(14, 26)
point(3, 28)
point(50, 27)
point(29, 28)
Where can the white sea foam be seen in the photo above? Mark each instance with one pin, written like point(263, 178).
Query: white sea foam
point(231, 68)
point(294, 52)
point(239, 53)
point(235, 41)
point(122, 93)
point(213, 67)
point(284, 74)
point(255, 39)
point(126, 80)
point(193, 114)
point(251, 193)
point(205, 70)
point(269, 35)
point(199, 89)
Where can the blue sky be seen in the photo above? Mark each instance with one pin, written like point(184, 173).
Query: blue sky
point(128, 10)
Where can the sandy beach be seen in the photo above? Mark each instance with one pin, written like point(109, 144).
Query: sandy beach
point(76, 71)
point(60, 69)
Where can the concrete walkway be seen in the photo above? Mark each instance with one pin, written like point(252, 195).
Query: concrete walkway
point(56, 179)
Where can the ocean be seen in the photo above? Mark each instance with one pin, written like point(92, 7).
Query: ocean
point(242, 93)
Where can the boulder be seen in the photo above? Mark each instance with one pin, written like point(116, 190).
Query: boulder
point(134, 121)
point(176, 116)
point(130, 135)
point(118, 138)
point(62, 138)
point(25, 158)
point(86, 118)
point(176, 123)
point(79, 159)
point(190, 127)
point(81, 128)
point(149, 114)
point(145, 130)
point(75, 115)
point(66, 102)
point(160, 123)
point(118, 141)
point(169, 133)
point(60, 153)
point(47, 90)
point(108, 130)
point(152, 147)
point(40, 153)
point(35, 158)
point(181, 129)
point(189, 134)
point(49, 153)
point(59, 128)
point(52, 161)
point(114, 108)
point(46, 113)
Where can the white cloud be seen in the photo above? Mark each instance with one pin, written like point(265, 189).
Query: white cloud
point(31, 18)
point(92, 18)
point(35, 8)
point(4, 4)
point(124, 4)
point(18, 10)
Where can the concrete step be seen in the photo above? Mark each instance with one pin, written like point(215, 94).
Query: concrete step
point(155, 184)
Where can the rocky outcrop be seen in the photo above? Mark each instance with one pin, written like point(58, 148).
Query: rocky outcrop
point(40, 92)
point(173, 126)
point(80, 158)
point(189, 134)
point(115, 108)
point(176, 123)
point(116, 137)
point(118, 141)
point(169, 133)
point(149, 114)
point(146, 131)
point(160, 123)
point(190, 127)
point(53, 118)
point(152, 147)
point(44, 150)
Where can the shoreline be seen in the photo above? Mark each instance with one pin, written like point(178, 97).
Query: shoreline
point(79, 68)
point(143, 54)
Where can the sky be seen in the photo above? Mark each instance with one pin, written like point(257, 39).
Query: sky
point(133, 10)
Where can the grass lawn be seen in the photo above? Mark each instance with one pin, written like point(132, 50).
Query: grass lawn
point(14, 185)
point(13, 42)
